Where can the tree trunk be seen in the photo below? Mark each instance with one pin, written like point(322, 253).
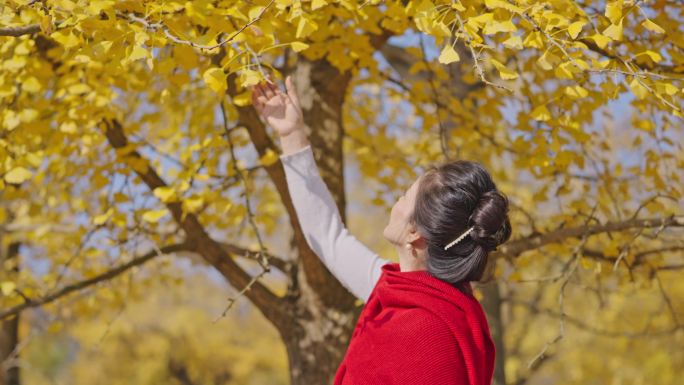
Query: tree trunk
point(491, 303)
point(9, 328)
point(316, 338)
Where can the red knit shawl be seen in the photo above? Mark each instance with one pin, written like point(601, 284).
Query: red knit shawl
point(417, 329)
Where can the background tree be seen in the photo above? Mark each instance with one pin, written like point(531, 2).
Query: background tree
point(126, 133)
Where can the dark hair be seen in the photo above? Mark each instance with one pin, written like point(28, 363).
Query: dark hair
point(451, 197)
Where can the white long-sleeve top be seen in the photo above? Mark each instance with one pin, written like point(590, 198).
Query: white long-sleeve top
point(349, 260)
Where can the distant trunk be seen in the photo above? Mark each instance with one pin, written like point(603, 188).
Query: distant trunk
point(9, 328)
point(491, 302)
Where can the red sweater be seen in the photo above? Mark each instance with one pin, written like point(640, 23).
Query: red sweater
point(417, 329)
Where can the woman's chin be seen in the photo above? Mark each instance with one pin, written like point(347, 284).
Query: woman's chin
point(386, 234)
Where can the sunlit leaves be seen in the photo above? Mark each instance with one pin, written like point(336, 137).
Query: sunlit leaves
point(249, 78)
point(215, 78)
point(66, 38)
point(298, 46)
point(448, 55)
point(655, 56)
point(638, 88)
point(153, 216)
point(651, 26)
point(514, 42)
point(7, 287)
point(17, 175)
point(576, 92)
point(614, 31)
point(600, 40)
point(503, 4)
point(165, 194)
point(575, 28)
point(541, 113)
point(305, 27)
point(269, 158)
point(102, 218)
point(504, 72)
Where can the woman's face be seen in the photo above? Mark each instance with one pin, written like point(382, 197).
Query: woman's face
point(399, 227)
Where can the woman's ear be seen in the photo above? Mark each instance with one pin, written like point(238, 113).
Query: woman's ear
point(415, 237)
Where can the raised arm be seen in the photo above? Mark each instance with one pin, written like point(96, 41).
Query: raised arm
point(351, 262)
point(354, 265)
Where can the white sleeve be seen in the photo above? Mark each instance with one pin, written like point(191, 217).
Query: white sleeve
point(350, 261)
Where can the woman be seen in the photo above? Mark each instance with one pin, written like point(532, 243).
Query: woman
point(421, 323)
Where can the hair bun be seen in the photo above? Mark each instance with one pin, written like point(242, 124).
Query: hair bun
point(490, 220)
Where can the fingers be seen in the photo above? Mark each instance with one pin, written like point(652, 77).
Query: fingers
point(292, 91)
point(255, 99)
point(259, 99)
point(264, 91)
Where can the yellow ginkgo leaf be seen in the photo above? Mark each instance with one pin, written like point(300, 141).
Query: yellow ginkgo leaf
point(502, 4)
point(249, 77)
point(137, 53)
point(651, 26)
point(564, 71)
point(448, 55)
point(645, 125)
point(305, 27)
point(541, 113)
point(499, 26)
point(639, 90)
point(242, 99)
point(457, 6)
point(46, 24)
point(655, 56)
point(586, 263)
point(298, 46)
point(575, 28)
point(28, 115)
point(513, 42)
point(614, 10)
point(102, 218)
point(504, 72)
point(153, 216)
point(31, 85)
point(79, 88)
point(17, 175)
point(254, 12)
point(614, 31)
point(666, 88)
point(600, 40)
point(215, 79)
point(576, 92)
point(193, 204)
point(165, 194)
point(534, 40)
point(315, 4)
point(544, 61)
point(68, 127)
point(67, 40)
point(7, 287)
point(269, 157)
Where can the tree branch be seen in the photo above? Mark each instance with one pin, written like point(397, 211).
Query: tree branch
point(518, 246)
point(31, 303)
point(20, 31)
point(265, 300)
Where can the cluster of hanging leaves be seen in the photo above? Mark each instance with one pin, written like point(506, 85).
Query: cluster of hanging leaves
point(542, 76)
point(575, 107)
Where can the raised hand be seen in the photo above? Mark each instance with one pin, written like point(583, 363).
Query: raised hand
point(280, 110)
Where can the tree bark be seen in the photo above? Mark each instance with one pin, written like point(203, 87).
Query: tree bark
point(316, 339)
point(491, 303)
point(9, 328)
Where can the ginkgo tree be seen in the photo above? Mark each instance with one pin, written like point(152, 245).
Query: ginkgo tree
point(126, 132)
